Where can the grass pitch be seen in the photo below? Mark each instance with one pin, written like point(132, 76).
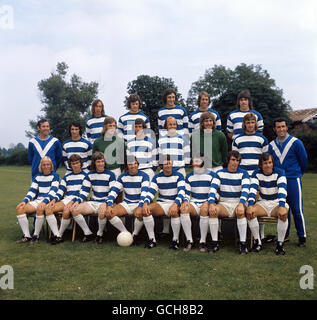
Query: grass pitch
point(89, 271)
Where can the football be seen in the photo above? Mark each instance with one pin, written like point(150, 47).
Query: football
point(124, 239)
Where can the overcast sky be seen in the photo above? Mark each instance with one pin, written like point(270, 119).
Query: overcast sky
point(112, 42)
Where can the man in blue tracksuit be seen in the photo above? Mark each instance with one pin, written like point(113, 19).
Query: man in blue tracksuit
point(289, 154)
point(44, 145)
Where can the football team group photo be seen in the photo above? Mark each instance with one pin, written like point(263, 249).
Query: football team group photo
point(194, 171)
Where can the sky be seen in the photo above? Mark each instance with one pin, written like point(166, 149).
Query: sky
point(113, 42)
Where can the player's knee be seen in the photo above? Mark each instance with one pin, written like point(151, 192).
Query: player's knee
point(175, 215)
point(19, 211)
point(75, 212)
point(48, 211)
point(283, 217)
point(101, 216)
point(204, 211)
point(240, 215)
point(66, 215)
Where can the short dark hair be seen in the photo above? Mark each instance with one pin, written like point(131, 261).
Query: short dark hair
point(163, 158)
point(130, 159)
point(139, 121)
point(96, 156)
point(280, 119)
point(167, 92)
point(133, 98)
point(77, 125)
point(232, 153)
point(73, 158)
point(200, 156)
point(41, 121)
point(264, 157)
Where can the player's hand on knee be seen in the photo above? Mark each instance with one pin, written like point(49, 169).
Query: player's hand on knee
point(102, 209)
point(173, 210)
point(138, 212)
point(250, 212)
point(21, 205)
point(240, 210)
point(69, 205)
point(184, 207)
point(108, 212)
point(282, 213)
point(51, 203)
point(146, 210)
point(41, 207)
point(212, 210)
point(74, 206)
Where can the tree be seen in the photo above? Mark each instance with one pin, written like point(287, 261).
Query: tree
point(64, 101)
point(224, 84)
point(151, 89)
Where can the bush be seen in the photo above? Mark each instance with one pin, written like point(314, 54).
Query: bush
point(3, 160)
point(18, 157)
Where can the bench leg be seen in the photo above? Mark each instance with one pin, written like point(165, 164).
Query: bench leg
point(74, 230)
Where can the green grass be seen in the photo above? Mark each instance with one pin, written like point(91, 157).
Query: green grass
point(87, 271)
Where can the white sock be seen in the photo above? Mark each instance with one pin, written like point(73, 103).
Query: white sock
point(166, 225)
point(101, 224)
point(117, 223)
point(203, 225)
point(123, 220)
point(242, 227)
point(149, 226)
point(24, 224)
point(254, 227)
point(52, 222)
point(176, 227)
point(137, 226)
point(281, 230)
point(80, 220)
point(38, 225)
point(213, 225)
point(187, 226)
point(262, 231)
point(64, 224)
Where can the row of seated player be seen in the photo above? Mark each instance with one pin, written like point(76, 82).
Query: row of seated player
point(177, 198)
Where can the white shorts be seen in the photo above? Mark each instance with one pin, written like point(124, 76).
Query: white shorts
point(36, 202)
point(165, 206)
point(94, 205)
point(269, 206)
point(197, 206)
point(67, 200)
point(129, 206)
point(116, 172)
point(230, 206)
